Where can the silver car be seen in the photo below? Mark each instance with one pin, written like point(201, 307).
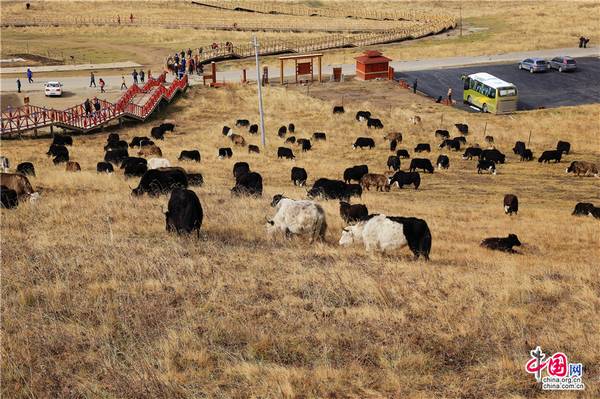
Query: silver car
point(534, 65)
point(562, 63)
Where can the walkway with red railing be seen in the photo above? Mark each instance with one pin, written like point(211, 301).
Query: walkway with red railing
point(136, 103)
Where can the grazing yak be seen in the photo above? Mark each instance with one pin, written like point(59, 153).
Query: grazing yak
point(116, 145)
point(483, 165)
point(284, 152)
point(329, 189)
point(253, 129)
point(402, 179)
point(372, 179)
point(195, 179)
point(564, 147)
point(462, 128)
point(363, 142)
point(160, 181)
point(225, 153)
point(443, 162)
point(595, 212)
point(393, 162)
point(504, 244)
point(61, 139)
point(402, 153)
point(189, 155)
point(240, 168)
point(184, 214)
point(151, 150)
point(526, 155)
point(519, 148)
point(253, 149)
point(354, 190)
point(493, 155)
point(242, 123)
point(511, 204)
point(56, 150)
point(20, 184)
point(135, 170)
point(338, 109)
point(60, 159)
point(452, 144)
point(133, 161)
point(137, 141)
point(472, 152)
point(236, 139)
point(387, 234)
point(8, 198)
point(26, 168)
point(393, 136)
point(104, 167)
point(290, 140)
point(248, 184)
point(291, 128)
point(225, 130)
point(374, 123)
point(421, 163)
point(282, 131)
point(583, 209)
point(319, 136)
point(353, 213)
point(297, 217)
point(73, 167)
point(306, 144)
point(582, 167)
point(442, 134)
point(551, 155)
point(157, 133)
point(299, 176)
point(355, 173)
point(155, 163)
point(423, 147)
point(362, 116)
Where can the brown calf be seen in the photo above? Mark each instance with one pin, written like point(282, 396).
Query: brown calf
point(372, 179)
point(17, 182)
point(150, 151)
point(73, 167)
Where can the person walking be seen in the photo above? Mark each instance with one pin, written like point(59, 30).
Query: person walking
point(123, 85)
point(119, 19)
point(135, 76)
point(131, 18)
point(450, 95)
point(92, 79)
point(102, 84)
point(18, 85)
point(149, 74)
point(415, 86)
point(97, 105)
point(29, 75)
point(87, 106)
point(142, 75)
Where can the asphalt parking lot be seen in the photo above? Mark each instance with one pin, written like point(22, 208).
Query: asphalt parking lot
point(539, 90)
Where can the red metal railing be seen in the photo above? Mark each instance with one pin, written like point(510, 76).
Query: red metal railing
point(32, 117)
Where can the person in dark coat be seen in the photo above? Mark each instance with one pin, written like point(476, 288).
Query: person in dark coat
point(135, 76)
point(415, 86)
point(18, 85)
point(87, 106)
point(142, 76)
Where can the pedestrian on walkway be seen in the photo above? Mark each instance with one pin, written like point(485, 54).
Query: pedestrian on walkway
point(102, 84)
point(149, 74)
point(191, 66)
point(97, 105)
point(142, 75)
point(131, 18)
point(450, 95)
point(135, 76)
point(87, 106)
point(585, 42)
point(119, 19)
point(415, 86)
point(189, 52)
point(29, 75)
point(123, 85)
point(18, 85)
point(92, 79)
point(581, 39)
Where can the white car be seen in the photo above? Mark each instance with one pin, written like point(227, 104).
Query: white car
point(53, 89)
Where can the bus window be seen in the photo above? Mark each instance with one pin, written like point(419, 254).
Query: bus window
point(507, 91)
point(466, 84)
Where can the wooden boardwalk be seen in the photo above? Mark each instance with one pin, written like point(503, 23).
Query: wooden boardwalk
point(136, 103)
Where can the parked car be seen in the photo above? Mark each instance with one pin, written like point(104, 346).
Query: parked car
point(562, 63)
point(53, 89)
point(534, 65)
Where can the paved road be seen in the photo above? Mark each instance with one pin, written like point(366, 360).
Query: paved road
point(548, 90)
point(78, 67)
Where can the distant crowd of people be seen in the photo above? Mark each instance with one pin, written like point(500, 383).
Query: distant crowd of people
point(583, 41)
point(189, 61)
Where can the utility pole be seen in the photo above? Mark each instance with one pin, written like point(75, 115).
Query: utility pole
point(260, 103)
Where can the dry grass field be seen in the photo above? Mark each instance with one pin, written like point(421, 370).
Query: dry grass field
point(99, 301)
point(496, 27)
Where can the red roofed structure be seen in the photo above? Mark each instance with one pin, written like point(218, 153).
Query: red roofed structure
point(372, 65)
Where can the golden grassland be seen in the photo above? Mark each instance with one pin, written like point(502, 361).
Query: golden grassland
point(499, 27)
point(99, 301)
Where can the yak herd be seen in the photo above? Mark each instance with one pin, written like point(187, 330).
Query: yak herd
point(304, 216)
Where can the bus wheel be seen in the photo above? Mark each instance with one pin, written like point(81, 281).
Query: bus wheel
point(484, 108)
